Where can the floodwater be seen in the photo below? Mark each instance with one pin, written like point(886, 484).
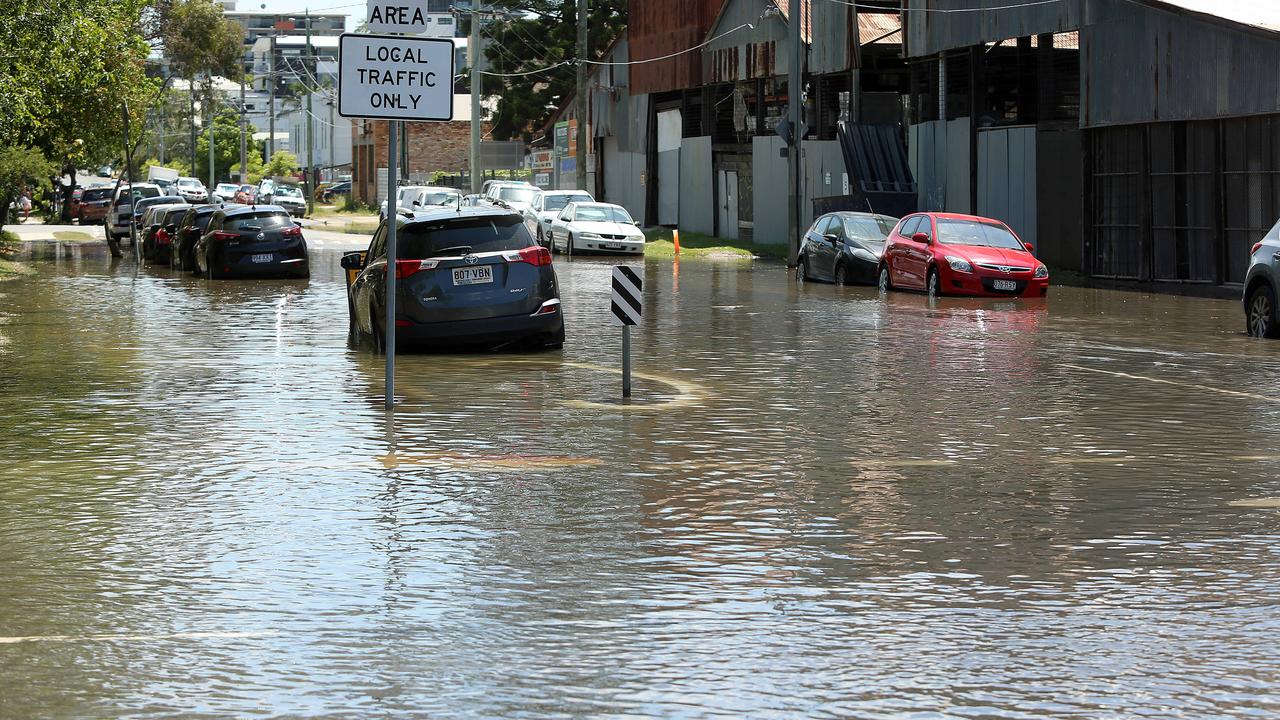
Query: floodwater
point(822, 503)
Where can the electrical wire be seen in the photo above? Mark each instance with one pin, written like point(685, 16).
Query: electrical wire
point(948, 11)
point(682, 52)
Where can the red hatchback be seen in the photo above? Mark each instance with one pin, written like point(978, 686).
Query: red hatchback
point(945, 254)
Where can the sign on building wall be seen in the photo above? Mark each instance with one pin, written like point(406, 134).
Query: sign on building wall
point(543, 160)
point(395, 78)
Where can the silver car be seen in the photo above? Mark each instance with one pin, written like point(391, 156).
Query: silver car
point(1260, 287)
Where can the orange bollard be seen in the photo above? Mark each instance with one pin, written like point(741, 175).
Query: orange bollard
point(675, 238)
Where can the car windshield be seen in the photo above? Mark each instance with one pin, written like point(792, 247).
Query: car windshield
point(516, 194)
point(188, 182)
point(174, 215)
point(601, 213)
point(557, 202)
point(286, 191)
point(262, 221)
point(979, 234)
point(144, 192)
point(460, 236)
point(873, 230)
point(438, 198)
point(224, 187)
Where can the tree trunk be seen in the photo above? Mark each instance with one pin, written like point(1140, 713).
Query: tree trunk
point(67, 193)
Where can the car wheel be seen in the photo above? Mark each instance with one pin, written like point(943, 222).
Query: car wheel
point(885, 284)
point(568, 244)
point(933, 285)
point(1262, 312)
point(841, 277)
point(802, 270)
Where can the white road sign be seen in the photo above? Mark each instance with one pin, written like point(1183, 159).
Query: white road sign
point(397, 16)
point(395, 78)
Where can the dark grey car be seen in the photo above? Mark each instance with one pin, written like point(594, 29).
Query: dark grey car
point(465, 277)
point(844, 248)
point(1260, 287)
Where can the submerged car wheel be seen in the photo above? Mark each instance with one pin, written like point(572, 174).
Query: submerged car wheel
point(1262, 312)
point(885, 284)
point(933, 286)
point(841, 277)
point(802, 270)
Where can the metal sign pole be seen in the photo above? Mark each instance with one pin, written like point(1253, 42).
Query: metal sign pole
point(626, 361)
point(389, 336)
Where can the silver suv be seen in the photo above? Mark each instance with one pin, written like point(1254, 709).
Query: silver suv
point(1260, 286)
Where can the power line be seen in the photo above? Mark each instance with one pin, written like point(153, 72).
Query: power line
point(947, 11)
point(685, 51)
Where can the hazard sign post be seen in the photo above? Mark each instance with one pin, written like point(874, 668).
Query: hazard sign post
point(627, 308)
point(388, 77)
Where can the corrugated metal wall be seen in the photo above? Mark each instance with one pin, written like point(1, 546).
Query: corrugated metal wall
point(939, 156)
point(697, 187)
point(831, 38)
point(659, 27)
point(931, 32)
point(762, 51)
point(769, 202)
point(1007, 178)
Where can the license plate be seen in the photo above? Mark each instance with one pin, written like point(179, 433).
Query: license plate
point(473, 275)
point(261, 258)
point(1005, 285)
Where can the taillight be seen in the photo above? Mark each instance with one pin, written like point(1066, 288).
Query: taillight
point(225, 236)
point(162, 237)
point(294, 231)
point(549, 307)
point(405, 268)
point(1254, 251)
point(536, 256)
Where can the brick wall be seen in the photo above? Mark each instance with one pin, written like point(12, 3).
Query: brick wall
point(433, 147)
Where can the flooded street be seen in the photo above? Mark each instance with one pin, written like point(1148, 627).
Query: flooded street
point(823, 503)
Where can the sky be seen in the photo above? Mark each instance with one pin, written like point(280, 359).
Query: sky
point(354, 11)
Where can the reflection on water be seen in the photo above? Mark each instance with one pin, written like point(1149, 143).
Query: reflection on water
point(858, 506)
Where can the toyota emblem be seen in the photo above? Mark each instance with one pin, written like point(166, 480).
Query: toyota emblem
point(471, 260)
point(261, 235)
point(1005, 270)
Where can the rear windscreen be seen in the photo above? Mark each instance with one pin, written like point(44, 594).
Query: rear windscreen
point(462, 236)
point(262, 221)
point(95, 195)
point(174, 216)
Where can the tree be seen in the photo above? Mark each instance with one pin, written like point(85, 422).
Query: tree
point(255, 172)
point(21, 168)
point(536, 34)
point(282, 164)
point(69, 68)
point(226, 148)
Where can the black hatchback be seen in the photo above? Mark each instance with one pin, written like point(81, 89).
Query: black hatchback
point(252, 241)
point(470, 277)
point(190, 228)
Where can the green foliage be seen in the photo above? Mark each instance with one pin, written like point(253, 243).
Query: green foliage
point(21, 168)
point(537, 34)
point(283, 163)
point(255, 171)
point(198, 40)
point(226, 148)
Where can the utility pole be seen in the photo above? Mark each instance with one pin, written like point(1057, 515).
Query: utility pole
point(311, 157)
point(271, 80)
point(244, 137)
point(794, 80)
point(477, 55)
point(333, 137)
point(191, 94)
point(580, 162)
point(212, 178)
point(855, 87)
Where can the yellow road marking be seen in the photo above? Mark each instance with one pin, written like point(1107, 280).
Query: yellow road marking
point(136, 638)
point(1176, 383)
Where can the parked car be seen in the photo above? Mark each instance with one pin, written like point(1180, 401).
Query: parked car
point(144, 203)
point(543, 209)
point(290, 198)
point(94, 204)
point(595, 227)
point(253, 241)
point(104, 171)
point(328, 194)
point(246, 195)
point(844, 248)
point(192, 225)
point(943, 253)
point(405, 195)
point(120, 217)
point(433, 197)
point(266, 189)
point(1260, 283)
point(161, 226)
point(192, 190)
point(513, 196)
point(224, 192)
point(471, 277)
point(471, 201)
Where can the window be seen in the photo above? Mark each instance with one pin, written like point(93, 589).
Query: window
point(861, 227)
point(468, 235)
point(911, 225)
point(557, 202)
point(261, 220)
point(601, 213)
point(821, 227)
point(95, 195)
point(977, 234)
point(378, 248)
point(516, 194)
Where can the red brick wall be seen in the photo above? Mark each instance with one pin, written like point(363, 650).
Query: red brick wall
point(433, 147)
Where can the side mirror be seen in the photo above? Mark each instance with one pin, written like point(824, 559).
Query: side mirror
point(1030, 248)
point(922, 238)
point(171, 229)
point(831, 238)
point(417, 204)
point(353, 261)
point(298, 223)
point(637, 223)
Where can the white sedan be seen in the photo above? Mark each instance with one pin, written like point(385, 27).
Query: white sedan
point(596, 227)
point(544, 209)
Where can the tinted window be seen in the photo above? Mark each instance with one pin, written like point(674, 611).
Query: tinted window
point(557, 202)
point(438, 198)
point(516, 194)
point(909, 226)
point(142, 192)
point(449, 237)
point(174, 216)
point(982, 234)
point(96, 195)
point(868, 229)
point(601, 213)
point(378, 248)
point(261, 220)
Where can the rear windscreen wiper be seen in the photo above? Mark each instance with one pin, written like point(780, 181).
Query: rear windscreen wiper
point(464, 249)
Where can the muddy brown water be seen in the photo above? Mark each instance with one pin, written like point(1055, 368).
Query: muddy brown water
point(823, 503)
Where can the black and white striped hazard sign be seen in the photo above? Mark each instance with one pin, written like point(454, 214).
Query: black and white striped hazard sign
point(628, 300)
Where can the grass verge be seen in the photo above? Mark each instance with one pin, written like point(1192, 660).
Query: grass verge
point(72, 236)
point(697, 245)
point(358, 228)
point(8, 268)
